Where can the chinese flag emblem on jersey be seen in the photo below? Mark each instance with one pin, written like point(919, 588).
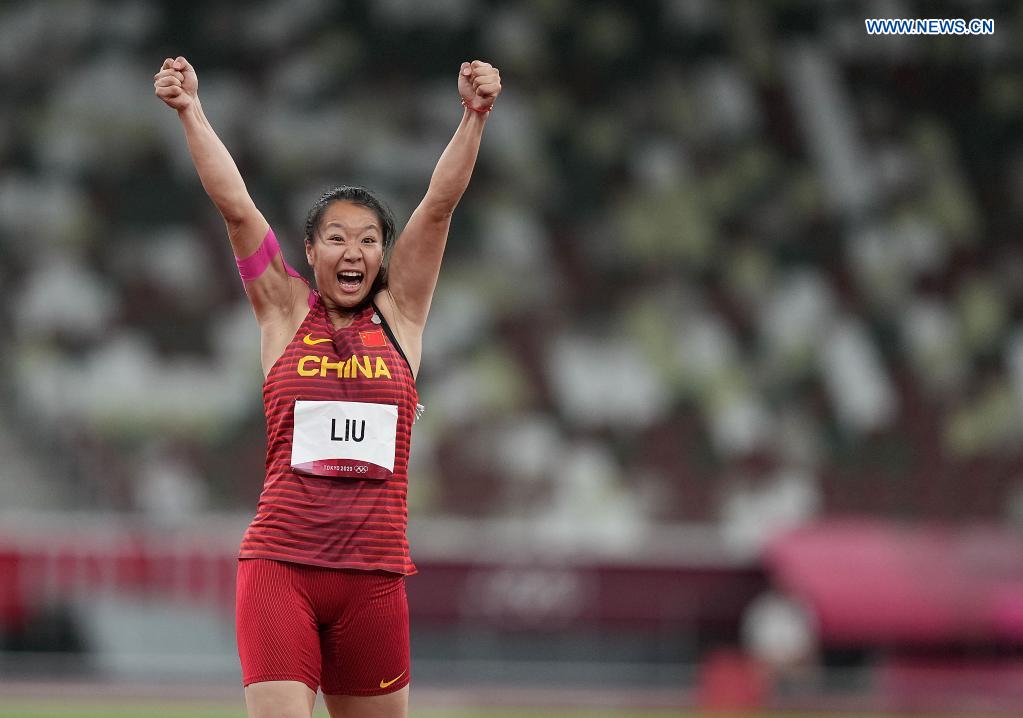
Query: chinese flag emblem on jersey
point(373, 338)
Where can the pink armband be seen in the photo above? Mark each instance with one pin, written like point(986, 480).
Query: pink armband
point(252, 267)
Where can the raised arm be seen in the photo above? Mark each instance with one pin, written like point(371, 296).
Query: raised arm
point(415, 262)
point(271, 293)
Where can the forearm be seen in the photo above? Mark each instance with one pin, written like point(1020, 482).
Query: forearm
point(217, 171)
point(454, 168)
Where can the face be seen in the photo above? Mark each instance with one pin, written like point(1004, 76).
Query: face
point(346, 253)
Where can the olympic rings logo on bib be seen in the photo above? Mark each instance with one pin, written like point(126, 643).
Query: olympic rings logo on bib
point(344, 439)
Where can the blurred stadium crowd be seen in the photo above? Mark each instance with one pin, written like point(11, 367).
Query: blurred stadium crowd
point(726, 263)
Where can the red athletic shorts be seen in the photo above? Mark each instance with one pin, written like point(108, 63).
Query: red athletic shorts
point(346, 630)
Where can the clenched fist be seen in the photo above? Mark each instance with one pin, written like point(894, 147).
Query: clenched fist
point(479, 84)
point(176, 83)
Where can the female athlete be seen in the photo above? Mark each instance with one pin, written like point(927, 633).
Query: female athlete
point(321, 579)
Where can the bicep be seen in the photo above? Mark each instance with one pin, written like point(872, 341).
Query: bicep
point(270, 289)
point(415, 263)
point(246, 231)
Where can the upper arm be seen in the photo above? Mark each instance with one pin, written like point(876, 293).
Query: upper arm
point(272, 292)
point(415, 263)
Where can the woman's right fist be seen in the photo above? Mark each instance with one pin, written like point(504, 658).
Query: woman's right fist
point(176, 83)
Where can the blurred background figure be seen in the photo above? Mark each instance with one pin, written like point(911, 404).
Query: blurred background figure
point(724, 375)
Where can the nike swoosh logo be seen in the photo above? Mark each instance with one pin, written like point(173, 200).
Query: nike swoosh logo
point(385, 684)
point(308, 339)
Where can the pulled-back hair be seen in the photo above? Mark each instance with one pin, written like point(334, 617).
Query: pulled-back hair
point(355, 195)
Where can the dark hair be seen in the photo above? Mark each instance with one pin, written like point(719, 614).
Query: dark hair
point(355, 195)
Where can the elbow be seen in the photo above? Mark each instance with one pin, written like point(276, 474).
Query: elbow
point(234, 209)
point(439, 207)
point(234, 216)
point(442, 214)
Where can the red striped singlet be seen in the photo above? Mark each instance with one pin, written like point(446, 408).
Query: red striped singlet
point(336, 512)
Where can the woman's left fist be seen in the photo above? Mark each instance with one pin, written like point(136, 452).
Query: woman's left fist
point(479, 84)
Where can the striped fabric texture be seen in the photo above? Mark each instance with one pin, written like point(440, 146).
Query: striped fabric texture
point(327, 521)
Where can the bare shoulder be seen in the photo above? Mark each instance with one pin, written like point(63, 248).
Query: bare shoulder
point(408, 333)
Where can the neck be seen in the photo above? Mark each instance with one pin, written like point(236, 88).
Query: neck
point(341, 317)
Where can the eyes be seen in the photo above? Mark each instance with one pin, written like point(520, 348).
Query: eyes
point(338, 239)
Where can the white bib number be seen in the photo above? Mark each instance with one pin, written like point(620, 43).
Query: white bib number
point(348, 439)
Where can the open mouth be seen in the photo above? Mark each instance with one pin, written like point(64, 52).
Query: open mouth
point(350, 281)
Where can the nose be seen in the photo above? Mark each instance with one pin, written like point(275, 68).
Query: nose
point(352, 252)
